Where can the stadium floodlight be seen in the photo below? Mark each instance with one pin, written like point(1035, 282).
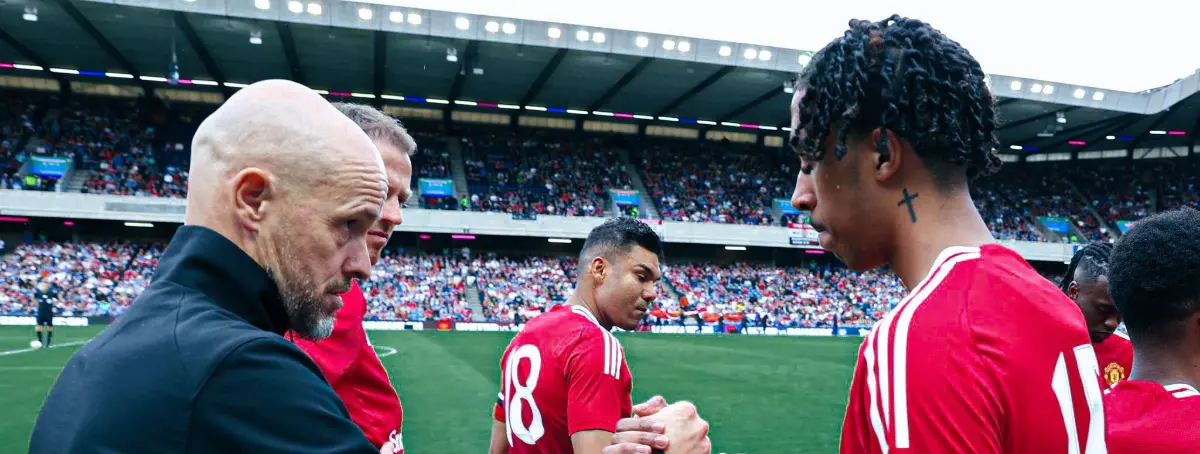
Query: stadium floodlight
point(492, 27)
point(255, 37)
point(30, 14)
point(706, 122)
point(764, 55)
point(396, 17)
point(295, 6)
point(602, 114)
point(262, 4)
point(1111, 137)
point(321, 92)
point(451, 54)
point(462, 23)
point(536, 108)
point(139, 224)
point(414, 19)
point(788, 129)
point(1098, 96)
point(509, 28)
point(729, 123)
point(209, 83)
point(392, 97)
point(1079, 93)
point(804, 59)
point(1154, 132)
point(725, 51)
point(27, 67)
point(577, 112)
point(1015, 85)
point(436, 101)
point(750, 53)
point(117, 75)
point(559, 240)
point(583, 35)
point(1016, 147)
point(684, 46)
point(314, 8)
point(509, 106)
point(642, 42)
point(735, 248)
point(554, 32)
point(363, 95)
point(598, 37)
point(668, 44)
point(643, 117)
point(1035, 88)
point(64, 71)
point(236, 85)
point(1047, 89)
point(768, 128)
point(466, 103)
point(365, 13)
point(153, 79)
point(1060, 117)
point(668, 118)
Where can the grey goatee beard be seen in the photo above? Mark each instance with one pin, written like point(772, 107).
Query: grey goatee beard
point(303, 299)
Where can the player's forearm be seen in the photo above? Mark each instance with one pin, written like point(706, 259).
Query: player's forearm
point(499, 443)
point(590, 441)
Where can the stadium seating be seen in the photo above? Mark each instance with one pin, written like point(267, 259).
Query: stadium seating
point(18, 114)
point(90, 278)
point(513, 289)
point(418, 287)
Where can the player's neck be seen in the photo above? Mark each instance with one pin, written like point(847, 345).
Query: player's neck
point(590, 306)
point(936, 223)
point(1166, 366)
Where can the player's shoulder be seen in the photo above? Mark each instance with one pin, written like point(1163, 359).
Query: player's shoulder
point(1130, 400)
point(1004, 281)
point(564, 326)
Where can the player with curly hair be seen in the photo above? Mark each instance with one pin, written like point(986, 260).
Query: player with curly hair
point(1155, 282)
point(890, 122)
point(1086, 283)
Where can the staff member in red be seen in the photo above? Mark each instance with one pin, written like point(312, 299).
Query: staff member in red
point(347, 357)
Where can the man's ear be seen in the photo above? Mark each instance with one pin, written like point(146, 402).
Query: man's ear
point(252, 191)
point(1073, 290)
point(887, 163)
point(599, 269)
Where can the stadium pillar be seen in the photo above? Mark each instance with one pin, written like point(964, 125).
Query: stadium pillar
point(641, 130)
point(579, 125)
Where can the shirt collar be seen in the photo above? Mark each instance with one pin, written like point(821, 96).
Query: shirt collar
point(202, 259)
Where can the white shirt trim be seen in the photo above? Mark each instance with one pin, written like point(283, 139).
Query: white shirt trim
point(1181, 390)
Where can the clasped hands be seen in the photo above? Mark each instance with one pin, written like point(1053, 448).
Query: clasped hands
point(674, 429)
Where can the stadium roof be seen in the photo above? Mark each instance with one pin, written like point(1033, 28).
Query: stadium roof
point(389, 53)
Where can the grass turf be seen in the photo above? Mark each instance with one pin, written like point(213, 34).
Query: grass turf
point(761, 394)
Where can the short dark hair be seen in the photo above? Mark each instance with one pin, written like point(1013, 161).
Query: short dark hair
point(619, 235)
point(1094, 260)
point(378, 125)
point(1155, 275)
point(905, 77)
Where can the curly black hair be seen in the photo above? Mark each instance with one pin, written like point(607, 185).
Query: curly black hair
point(1155, 275)
point(1094, 260)
point(900, 75)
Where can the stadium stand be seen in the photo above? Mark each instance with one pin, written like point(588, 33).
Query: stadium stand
point(519, 288)
point(91, 278)
point(418, 287)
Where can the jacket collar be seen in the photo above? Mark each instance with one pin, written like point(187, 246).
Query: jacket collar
point(202, 259)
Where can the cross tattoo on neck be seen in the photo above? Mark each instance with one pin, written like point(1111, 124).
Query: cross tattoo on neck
point(907, 200)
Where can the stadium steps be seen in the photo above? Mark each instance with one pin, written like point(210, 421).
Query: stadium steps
point(78, 180)
point(475, 302)
point(457, 170)
point(646, 208)
point(1091, 211)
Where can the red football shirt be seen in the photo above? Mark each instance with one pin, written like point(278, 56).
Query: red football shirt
point(1148, 418)
point(561, 374)
point(356, 374)
point(1115, 356)
point(1000, 363)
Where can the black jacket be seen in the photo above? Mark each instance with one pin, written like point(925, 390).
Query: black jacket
point(198, 364)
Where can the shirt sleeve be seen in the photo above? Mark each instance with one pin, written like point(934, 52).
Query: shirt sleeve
point(265, 397)
point(594, 387)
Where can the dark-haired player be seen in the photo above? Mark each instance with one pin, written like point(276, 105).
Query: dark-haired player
point(45, 313)
point(1155, 282)
point(889, 122)
point(564, 383)
point(1086, 282)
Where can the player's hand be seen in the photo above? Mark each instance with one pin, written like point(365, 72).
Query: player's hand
point(676, 428)
point(649, 407)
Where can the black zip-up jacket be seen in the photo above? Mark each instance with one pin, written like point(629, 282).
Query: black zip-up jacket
point(198, 364)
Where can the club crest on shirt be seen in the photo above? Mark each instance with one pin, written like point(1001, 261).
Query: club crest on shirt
point(1113, 373)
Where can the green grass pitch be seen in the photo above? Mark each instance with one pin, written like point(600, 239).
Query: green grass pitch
point(761, 394)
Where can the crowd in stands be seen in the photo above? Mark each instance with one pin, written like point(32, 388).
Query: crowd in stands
point(90, 278)
point(417, 287)
point(717, 182)
point(517, 289)
point(1181, 186)
point(534, 175)
point(17, 116)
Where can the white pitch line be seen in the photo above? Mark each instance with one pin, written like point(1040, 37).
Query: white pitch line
point(390, 351)
point(25, 350)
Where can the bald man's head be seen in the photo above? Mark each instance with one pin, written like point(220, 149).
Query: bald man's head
point(295, 184)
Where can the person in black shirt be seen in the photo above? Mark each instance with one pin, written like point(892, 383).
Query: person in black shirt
point(283, 191)
point(45, 314)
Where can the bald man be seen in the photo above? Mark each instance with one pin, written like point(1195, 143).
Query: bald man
point(283, 192)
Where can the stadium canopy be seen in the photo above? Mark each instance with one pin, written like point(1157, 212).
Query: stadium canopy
point(388, 54)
